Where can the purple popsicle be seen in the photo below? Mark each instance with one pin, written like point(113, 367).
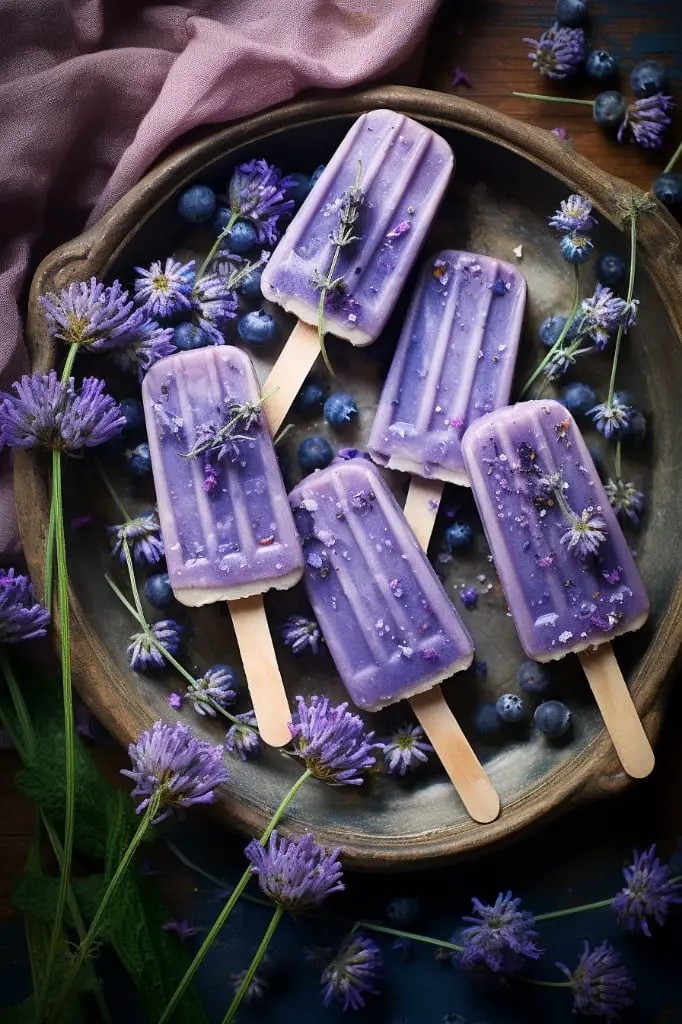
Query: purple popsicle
point(454, 362)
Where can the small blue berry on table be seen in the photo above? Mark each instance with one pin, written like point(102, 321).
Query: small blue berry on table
point(311, 396)
point(197, 204)
point(668, 188)
point(510, 708)
point(257, 327)
point(610, 270)
point(601, 66)
point(249, 286)
point(609, 109)
point(187, 336)
point(486, 720)
point(552, 326)
point(578, 398)
point(139, 460)
point(459, 536)
point(242, 236)
point(576, 248)
point(571, 12)
point(552, 718)
point(647, 78)
point(533, 677)
point(340, 409)
point(133, 414)
point(314, 453)
point(158, 591)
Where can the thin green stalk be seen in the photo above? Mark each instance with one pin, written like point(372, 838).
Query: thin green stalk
point(630, 293)
point(560, 340)
point(599, 905)
point(234, 216)
point(618, 466)
point(85, 946)
point(229, 906)
point(255, 963)
point(383, 930)
point(673, 160)
point(545, 984)
point(49, 543)
point(112, 493)
point(553, 99)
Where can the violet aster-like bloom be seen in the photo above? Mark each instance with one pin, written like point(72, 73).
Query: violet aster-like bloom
point(144, 654)
point(44, 413)
point(257, 192)
point(243, 738)
point(610, 420)
point(144, 348)
point(165, 290)
point(407, 749)
point(600, 984)
point(92, 315)
point(143, 534)
point(559, 52)
point(601, 314)
point(353, 973)
point(296, 873)
point(648, 894)
point(574, 214)
point(22, 617)
point(170, 761)
point(646, 121)
point(214, 305)
point(211, 689)
point(625, 500)
point(585, 533)
point(332, 742)
point(300, 633)
point(501, 937)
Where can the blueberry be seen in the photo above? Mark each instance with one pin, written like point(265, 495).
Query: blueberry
point(647, 78)
point(510, 708)
point(340, 409)
point(133, 414)
point(157, 590)
point(486, 721)
point(610, 270)
point(138, 459)
point(552, 718)
point(300, 190)
point(316, 175)
point(187, 336)
point(404, 911)
point(311, 395)
point(600, 66)
point(578, 398)
point(551, 328)
point(571, 12)
point(242, 236)
point(458, 536)
point(257, 327)
point(249, 286)
point(609, 109)
point(533, 677)
point(221, 219)
point(314, 453)
point(576, 248)
point(668, 188)
point(197, 204)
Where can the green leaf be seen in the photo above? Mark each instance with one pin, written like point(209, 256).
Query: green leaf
point(36, 894)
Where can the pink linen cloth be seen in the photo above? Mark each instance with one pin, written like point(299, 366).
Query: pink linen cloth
point(92, 91)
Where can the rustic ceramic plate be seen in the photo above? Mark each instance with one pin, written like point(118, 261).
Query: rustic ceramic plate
point(509, 178)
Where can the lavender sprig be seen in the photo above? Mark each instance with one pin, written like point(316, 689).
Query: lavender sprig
point(586, 528)
point(91, 315)
point(22, 617)
point(600, 984)
point(559, 52)
point(243, 416)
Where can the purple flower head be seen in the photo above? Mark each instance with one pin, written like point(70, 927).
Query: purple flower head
point(22, 617)
point(646, 121)
point(407, 749)
point(561, 133)
point(629, 315)
point(626, 501)
point(353, 973)
point(170, 761)
point(332, 742)
point(501, 937)
point(300, 633)
point(143, 535)
point(91, 315)
point(144, 654)
point(144, 348)
point(258, 986)
point(243, 739)
point(600, 984)
point(585, 534)
point(469, 597)
point(165, 290)
point(214, 304)
point(175, 700)
point(211, 689)
point(601, 315)
point(648, 893)
point(576, 248)
point(44, 413)
point(574, 214)
point(559, 52)
point(611, 420)
point(296, 873)
point(257, 192)
point(183, 929)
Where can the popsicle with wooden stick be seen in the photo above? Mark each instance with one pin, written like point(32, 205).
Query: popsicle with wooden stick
point(342, 262)
point(569, 577)
point(225, 518)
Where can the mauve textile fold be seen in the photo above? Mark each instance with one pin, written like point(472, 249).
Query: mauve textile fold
point(92, 92)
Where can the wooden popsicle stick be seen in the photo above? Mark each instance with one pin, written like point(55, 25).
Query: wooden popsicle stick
point(263, 677)
point(618, 710)
point(290, 370)
point(455, 753)
point(421, 507)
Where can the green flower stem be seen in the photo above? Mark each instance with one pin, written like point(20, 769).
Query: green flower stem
point(86, 945)
point(553, 99)
point(112, 493)
point(560, 340)
point(618, 466)
point(234, 216)
point(407, 935)
point(599, 905)
point(630, 293)
point(545, 984)
point(229, 906)
point(673, 160)
point(248, 977)
point(49, 543)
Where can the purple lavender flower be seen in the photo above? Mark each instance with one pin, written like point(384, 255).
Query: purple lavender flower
point(574, 214)
point(300, 633)
point(559, 52)
point(257, 192)
point(600, 984)
point(143, 534)
point(610, 420)
point(629, 315)
point(175, 700)
point(296, 873)
point(91, 315)
point(469, 597)
point(407, 749)
point(45, 413)
point(648, 894)
point(214, 687)
point(601, 315)
point(625, 500)
point(501, 937)
point(332, 742)
point(243, 738)
point(144, 348)
point(561, 133)
point(144, 654)
point(646, 121)
point(214, 304)
point(164, 291)
point(22, 617)
point(585, 533)
point(183, 929)
point(353, 973)
point(170, 761)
